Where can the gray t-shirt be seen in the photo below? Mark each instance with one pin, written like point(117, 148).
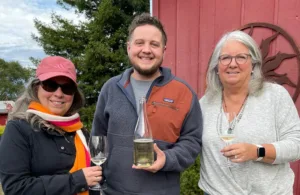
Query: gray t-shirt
point(270, 117)
point(140, 89)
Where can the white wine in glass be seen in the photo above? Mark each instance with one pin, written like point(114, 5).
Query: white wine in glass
point(99, 151)
point(98, 161)
point(226, 128)
point(227, 138)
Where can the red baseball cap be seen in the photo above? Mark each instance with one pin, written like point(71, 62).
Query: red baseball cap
point(54, 66)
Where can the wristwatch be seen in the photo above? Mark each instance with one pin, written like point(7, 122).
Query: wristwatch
point(261, 152)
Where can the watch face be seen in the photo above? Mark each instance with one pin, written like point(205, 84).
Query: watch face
point(261, 152)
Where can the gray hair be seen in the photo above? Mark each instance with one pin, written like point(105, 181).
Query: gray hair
point(213, 82)
point(30, 94)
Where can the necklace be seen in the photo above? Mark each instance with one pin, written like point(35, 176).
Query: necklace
point(238, 117)
point(241, 108)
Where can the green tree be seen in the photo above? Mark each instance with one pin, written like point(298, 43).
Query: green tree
point(97, 46)
point(13, 79)
point(83, 6)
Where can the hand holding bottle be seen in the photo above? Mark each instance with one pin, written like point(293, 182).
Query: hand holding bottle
point(158, 164)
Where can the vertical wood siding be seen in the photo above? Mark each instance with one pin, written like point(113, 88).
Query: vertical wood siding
point(194, 26)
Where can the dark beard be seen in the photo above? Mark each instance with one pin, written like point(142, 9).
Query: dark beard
point(147, 73)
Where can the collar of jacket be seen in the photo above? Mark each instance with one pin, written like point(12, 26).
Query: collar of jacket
point(52, 131)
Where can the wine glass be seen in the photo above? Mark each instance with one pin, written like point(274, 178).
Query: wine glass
point(227, 130)
point(99, 151)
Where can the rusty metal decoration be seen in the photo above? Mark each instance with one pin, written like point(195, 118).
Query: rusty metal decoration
point(271, 63)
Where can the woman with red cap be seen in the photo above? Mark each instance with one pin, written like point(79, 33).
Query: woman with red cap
point(44, 148)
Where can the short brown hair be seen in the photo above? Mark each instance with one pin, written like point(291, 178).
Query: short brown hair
point(144, 19)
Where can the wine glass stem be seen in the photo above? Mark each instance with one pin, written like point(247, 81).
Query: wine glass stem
point(228, 161)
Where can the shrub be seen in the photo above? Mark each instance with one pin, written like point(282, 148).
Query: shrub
point(2, 129)
point(189, 180)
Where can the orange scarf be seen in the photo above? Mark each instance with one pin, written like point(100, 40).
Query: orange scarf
point(68, 124)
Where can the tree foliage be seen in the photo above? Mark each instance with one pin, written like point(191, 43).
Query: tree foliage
point(189, 180)
point(87, 7)
point(13, 79)
point(97, 46)
point(2, 128)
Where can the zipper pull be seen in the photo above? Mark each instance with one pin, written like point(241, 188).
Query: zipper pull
point(154, 107)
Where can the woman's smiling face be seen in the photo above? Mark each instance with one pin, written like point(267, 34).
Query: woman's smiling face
point(57, 102)
point(233, 74)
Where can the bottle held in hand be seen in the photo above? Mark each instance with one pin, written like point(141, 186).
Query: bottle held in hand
point(143, 141)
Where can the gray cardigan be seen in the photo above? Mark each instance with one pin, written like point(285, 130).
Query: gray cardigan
point(270, 117)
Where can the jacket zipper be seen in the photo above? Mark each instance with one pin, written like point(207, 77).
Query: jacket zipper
point(166, 105)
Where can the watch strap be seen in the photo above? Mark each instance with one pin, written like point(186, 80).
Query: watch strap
point(259, 158)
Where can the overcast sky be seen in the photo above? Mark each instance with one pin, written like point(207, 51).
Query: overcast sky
point(16, 27)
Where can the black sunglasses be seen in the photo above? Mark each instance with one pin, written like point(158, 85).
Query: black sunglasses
point(51, 86)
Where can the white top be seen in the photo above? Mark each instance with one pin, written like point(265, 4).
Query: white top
point(270, 117)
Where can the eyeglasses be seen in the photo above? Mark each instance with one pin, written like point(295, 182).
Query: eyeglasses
point(240, 59)
point(51, 86)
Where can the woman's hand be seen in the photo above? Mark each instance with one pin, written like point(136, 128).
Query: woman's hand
point(93, 175)
point(158, 164)
point(240, 152)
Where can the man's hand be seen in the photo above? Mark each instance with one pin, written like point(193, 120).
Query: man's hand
point(158, 164)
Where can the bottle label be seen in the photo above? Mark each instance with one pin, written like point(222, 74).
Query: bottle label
point(143, 152)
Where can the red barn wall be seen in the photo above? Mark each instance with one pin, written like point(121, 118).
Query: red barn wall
point(3, 118)
point(194, 26)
